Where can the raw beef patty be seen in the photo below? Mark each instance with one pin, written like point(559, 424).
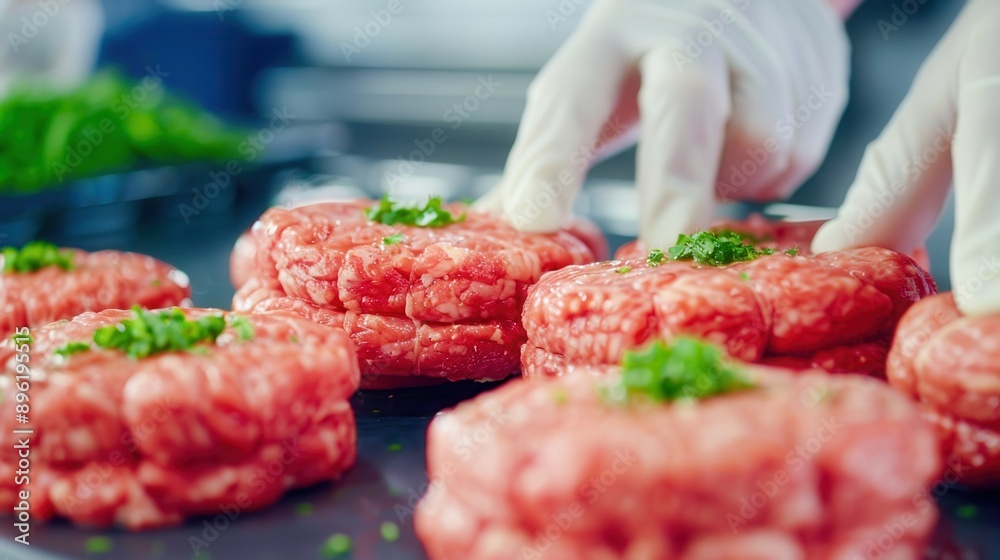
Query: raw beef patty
point(141, 443)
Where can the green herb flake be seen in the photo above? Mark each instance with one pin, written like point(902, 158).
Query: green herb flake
point(389, 531)
point(967, 511)
point(656, 258)
point(560, 396)
point(685, 368)
point(242, 326)
point(623, 270)
point(715, 248)
point(337, 545)
point(36, 255)
point(147, 332)
point(71, 348)
point(431, 214)
point(744, 276)
point(155, 282)
point(794, 251)
point(98, 545)
point(304, 509)
point(393, 239)
point(23, 339)
point(293, 338)
point(395, 447)
point(203, 555)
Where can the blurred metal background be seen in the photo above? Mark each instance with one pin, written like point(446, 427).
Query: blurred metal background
point(368, 81)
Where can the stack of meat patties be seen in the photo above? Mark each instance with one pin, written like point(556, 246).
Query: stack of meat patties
point(766, 301)
point(426, 294)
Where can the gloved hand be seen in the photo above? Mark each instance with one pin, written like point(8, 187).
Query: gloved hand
point(739, 100)
point(53, 42)
point(947, 126)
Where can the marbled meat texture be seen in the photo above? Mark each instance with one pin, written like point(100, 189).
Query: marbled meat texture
point(545, 469)
point(441, 303)
point(951, 363)
point(145, 443)
point(835, 310)
point(100, 280)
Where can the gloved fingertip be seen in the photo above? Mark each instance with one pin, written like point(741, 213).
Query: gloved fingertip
point(831, 236)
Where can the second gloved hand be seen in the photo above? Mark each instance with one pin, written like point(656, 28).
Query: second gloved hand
point(948, 127)
point(738, 101)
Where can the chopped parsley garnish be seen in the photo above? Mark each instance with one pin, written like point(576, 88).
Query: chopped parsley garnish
point(389, 531)
point(715, 248)
point(36, 255)
point(242, 326)
point(431, 214)
point(685, 368)
point(71, 348)
point(147, 332)
point(792, 252)
point(393, 239)
point(337, 545)
point(623, 270)
point(745, 276)
point(98, 545)
point(395, 446)
point(560, 396)
point(304, 509)
point(656, 258)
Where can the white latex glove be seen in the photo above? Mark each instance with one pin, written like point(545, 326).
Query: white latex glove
point(947, 126)
point(55, 42)
point(739, 100)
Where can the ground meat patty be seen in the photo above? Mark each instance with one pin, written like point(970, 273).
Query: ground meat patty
point(397, 351)
point(100, 280)
point(805, 307)
point(441, 304)
point(544, 469)
point(780, 235)
point(332, 255)
point(951, 363)
point(242, 262)
point(145, 443)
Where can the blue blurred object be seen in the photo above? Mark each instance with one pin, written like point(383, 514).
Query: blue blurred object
point(214, 60)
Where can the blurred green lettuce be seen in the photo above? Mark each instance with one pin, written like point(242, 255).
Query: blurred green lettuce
point(106, 125)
